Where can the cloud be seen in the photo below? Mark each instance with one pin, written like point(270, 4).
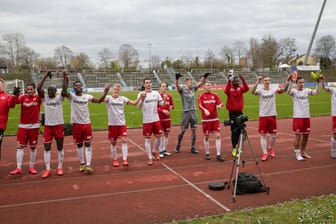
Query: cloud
point(173, 28)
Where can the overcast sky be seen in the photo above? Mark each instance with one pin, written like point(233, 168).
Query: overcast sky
point(172, 27)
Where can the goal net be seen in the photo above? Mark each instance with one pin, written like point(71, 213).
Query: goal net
point(10, 84)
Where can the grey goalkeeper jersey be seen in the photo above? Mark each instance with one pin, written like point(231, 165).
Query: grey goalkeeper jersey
point(188, 98)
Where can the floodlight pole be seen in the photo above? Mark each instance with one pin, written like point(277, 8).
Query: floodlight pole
point(150, 58)
point(314, 32)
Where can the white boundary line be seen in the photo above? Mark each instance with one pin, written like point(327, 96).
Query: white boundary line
point(187, 181)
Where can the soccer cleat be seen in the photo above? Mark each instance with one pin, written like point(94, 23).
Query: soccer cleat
point(88, 169)
point(156, 156)
point(165, 153)
point(264, 157)
point(125, 163)
point(150, 162)
point(177, 149)
point(271, 152)
point(115, 163)
point(59, 172)
point(234, 152)
point(16, 171)
point(162, 155)
point(220, 158)
point(82, 167)
point(46, 174)
point(32, 170)
point(194, 150)
point(207, 157)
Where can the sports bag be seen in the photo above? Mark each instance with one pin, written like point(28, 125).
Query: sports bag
point(249, 183)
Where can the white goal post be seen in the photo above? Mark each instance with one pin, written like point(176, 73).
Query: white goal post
point(10, 84)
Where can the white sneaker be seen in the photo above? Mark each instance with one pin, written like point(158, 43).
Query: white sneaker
point(298, 155)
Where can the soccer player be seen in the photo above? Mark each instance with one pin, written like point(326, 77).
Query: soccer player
point(7, 102)
point(267, 113)
point(117, 122)
point(208, 102)
point(81, 123)
point(164, 114)
point(151, 120)
point(29, 128)
point(189, 115)
point(301, 116)
point(235, 104)
point(332, 91)
point(53, 125)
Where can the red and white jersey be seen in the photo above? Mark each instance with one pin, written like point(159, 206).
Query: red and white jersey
point(53, 110)
point(80, 109)
point(30, 111)
point(7, 101)
point(115, 110)
point(209, 101)
point(149, 108)
point(267, 105)
point(168, 106)
point(301, 102)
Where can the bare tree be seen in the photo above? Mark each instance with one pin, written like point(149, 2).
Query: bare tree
point(187, 60)
point(46, 63)
point(156, 62)
point(80, 62)
point(287, 48)
point(239, 47)
point(63, 56)
point(13, 48)
point(254, 53)
point(105, 57)
point(269, 51)
point(325, 47)
point(228, 55)
point(128, 56)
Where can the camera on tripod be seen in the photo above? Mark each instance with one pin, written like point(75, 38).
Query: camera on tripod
point(239, 121)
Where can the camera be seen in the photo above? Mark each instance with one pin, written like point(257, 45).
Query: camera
point(178, 75)
point(239, 121)
point(206, 75)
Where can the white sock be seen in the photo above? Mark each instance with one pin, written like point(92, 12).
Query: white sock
point(206, 146)
point(161, 148)
point(46, 156)
point(33, 154)
point(157, 143)
point(80, 154)
point(60, 158)
point(114, 152)
point(333, 147)
point(19, 157)
point(148, 148)
point(88, 155)
point(218, 147)
point(124, 150)
point(165, 143)
point(272, 141)
point(263, 143)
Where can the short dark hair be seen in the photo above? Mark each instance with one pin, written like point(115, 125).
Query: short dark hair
point(144, 80)
point(298, 78)
point(30, 84)
point(77, 81)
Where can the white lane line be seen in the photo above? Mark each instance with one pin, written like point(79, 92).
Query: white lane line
point(187, 181)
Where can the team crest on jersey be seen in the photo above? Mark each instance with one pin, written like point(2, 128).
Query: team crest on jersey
point(3, 97)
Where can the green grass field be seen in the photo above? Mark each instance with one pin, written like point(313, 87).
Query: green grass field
point(319, 105)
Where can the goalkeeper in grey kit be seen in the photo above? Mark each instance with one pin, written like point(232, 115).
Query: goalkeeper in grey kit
point(189, 116)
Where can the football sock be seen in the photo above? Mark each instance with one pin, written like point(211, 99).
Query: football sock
point(206, 146)
point(218, 146)
point(19, 157)
point(157, 143)
point(88, 155)
point(33, 153)
point(193, 140)
point(46, 156)
point(272, 141)
point(124, 150)
point(114, 152)
point(80, 154)
point(148, 148)
point(60, 158)
point(263, 143)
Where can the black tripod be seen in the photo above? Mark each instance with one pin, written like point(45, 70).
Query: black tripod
point(240, 159)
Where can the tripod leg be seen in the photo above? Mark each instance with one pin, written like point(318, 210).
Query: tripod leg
point(231, 174)
point(257, 164)
point(240, 152)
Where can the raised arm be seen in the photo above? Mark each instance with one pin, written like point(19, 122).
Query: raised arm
point(201, 82)
point(177, 77)
point(135, 102)
point(285, 88)
point(245, 84)
point(65, 92)
point(324, 87)
point(40, 91)
point(101, 99)
point(254, 88)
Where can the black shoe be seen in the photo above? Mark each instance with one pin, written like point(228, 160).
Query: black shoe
point(177, 149)
point(207, 157)
point(194, 150)
point(220, 158)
